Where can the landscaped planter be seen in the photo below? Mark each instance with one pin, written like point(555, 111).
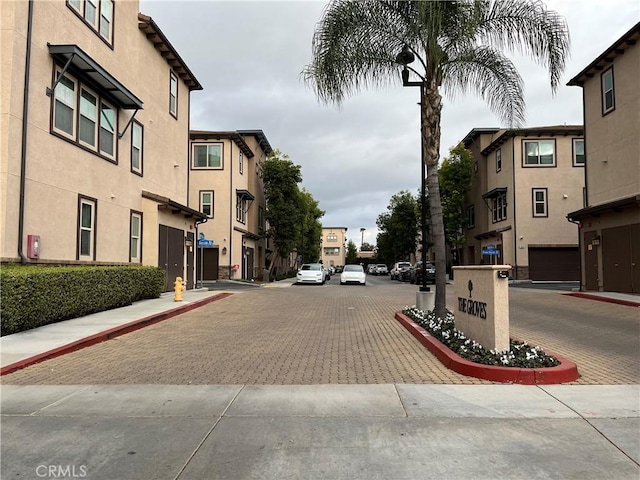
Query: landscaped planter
point(567, 371)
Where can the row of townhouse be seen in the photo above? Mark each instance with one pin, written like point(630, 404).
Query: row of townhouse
point(98, 164)
point(563, 202)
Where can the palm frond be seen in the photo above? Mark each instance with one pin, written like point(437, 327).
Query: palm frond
point(525, 26)
point(488, 73)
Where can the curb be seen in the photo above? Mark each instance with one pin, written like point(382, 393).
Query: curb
point(619, 301)
point(567, 371)
point(109, 334)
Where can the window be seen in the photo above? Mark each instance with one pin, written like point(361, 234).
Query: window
point(608, 93)
point(207, 156)
point(64, 106)
point(86, 228)
point(539, 153)
point(96, 124)
point(241, 209)
point(332, 251)
point(539, 202)
point(578, 152)
point(173, 95)
point(88, 129)
point(499, 207)
point(260, 218)
point(241, 162)
point(332, 237)
point(98, 14)
point(136, 147)
point(498, 160)
point(471, 216)
point(206, 203)
point(135, 248)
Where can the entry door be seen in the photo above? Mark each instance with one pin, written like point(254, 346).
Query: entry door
point(190, 259)
point(248, 263)
point(635, 257)
point(616, 259)
point(208, 264)
point(171, 254)
point(590, 261)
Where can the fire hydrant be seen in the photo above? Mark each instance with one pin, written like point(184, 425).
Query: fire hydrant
point(178, 288)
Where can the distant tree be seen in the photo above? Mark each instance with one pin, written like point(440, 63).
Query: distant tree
point(310, 228)
point(352, 252)
point(281, 178)
point(455, 176)
point(367, 247)
point(398, 228)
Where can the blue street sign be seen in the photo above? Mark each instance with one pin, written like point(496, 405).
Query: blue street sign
point(490, 251)
point(205, 243)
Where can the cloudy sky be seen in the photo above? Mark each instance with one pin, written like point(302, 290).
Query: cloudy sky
point(248, 57)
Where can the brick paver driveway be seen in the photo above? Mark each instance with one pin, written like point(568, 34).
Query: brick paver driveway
point(333, 334)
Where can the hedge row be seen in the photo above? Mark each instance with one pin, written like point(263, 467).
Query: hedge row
point(32, 296)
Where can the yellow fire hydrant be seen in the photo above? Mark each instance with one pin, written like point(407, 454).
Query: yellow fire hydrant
point(178, 288)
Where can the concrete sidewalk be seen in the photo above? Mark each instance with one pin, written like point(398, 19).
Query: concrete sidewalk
point(321, 431)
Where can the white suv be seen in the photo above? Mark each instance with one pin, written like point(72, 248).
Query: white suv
point(381, 269)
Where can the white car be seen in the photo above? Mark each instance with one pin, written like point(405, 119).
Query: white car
point(310, 273)
point(353, 274)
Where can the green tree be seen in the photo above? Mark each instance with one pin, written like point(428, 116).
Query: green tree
point(310, 228)
point(352, 252)
point(455, 175)
point(398, 228)
point(458, 46)
point(366, 247)
point(281, 178)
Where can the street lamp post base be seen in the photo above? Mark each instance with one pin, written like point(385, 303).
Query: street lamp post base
point(426, 301)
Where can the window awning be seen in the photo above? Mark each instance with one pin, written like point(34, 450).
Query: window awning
point(74, 57)
point(173, 206)
point(245, 194)
point(495, 192)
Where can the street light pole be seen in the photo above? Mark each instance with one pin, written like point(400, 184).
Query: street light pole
point(404, 58)
point(362, 237)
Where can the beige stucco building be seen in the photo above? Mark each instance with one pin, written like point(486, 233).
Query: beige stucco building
point(226, 185)
point(609, 221)
point(334, 246)
point(94, 160)
point(525, 181)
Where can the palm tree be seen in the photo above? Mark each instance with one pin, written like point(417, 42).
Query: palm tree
point(458, 45)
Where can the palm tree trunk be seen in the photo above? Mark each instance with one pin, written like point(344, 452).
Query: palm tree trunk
point(431, 113)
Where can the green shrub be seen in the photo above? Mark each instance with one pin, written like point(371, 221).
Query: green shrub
point(33, 295)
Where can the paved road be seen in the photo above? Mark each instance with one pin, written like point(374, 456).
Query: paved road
point(336, 334)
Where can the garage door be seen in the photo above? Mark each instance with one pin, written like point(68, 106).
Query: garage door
point(554, 263)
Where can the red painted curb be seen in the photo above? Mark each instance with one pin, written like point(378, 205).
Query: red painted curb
point(109, 334)
point(567, 371)
point(619, 301)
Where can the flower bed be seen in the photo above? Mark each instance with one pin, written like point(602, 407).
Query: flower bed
point(563, 371)
point(520, 354)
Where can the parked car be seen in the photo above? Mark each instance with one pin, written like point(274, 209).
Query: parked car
point(371, 268)
point(353, 274)
point(339, 269)
point(416, 273)
point(400, 271)
point(327, 273)
point(381, 269)
point(311, 273)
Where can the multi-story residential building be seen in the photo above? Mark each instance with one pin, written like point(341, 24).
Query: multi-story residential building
point(334, 250)
point(225, 183)
point(94, 134)
point(525, 182)
point(609, 222)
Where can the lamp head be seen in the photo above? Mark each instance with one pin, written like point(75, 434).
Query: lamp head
point(405, 57)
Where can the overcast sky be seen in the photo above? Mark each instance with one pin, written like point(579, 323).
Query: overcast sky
point(248, 57)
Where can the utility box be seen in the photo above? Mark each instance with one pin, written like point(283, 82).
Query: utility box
point(33, 246)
